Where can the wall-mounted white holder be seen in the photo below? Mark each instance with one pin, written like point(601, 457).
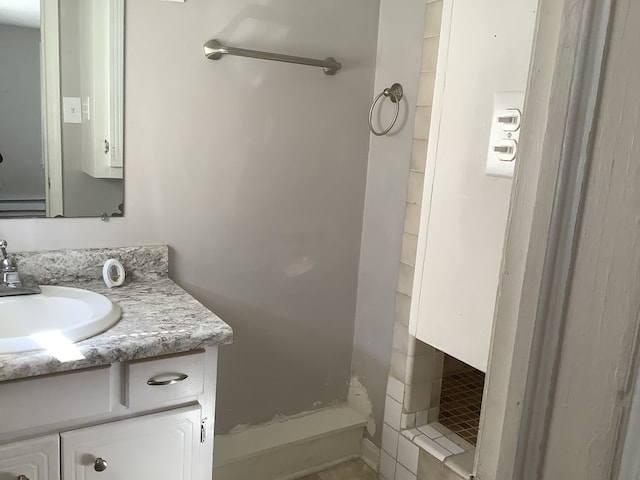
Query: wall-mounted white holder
point(505, 134)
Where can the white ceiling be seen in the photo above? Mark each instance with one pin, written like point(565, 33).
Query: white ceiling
point(23, 13)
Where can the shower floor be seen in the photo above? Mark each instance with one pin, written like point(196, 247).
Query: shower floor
point(460, 403)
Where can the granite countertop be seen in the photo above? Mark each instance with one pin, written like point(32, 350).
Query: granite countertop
point(158, 318)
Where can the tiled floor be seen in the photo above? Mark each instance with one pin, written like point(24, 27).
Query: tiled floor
point(460, 403)
point(353, 470)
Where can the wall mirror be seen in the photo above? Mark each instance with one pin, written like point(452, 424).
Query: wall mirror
point(61, 108)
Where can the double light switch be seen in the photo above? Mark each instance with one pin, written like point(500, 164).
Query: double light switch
point(505, 134)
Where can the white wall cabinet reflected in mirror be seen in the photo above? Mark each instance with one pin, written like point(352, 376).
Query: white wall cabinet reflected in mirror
point(61, 108)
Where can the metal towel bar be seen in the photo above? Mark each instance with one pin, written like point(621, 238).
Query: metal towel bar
point(214, 50)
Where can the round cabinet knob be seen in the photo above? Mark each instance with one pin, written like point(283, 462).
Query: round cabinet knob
point(100, 465)
point(23, 477)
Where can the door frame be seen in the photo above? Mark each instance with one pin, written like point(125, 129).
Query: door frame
point(51, 105)
point(561, 110)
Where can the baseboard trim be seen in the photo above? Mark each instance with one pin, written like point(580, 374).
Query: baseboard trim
point(370, 454)
point(291, 448)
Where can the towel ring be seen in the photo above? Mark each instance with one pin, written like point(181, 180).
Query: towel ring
point(394, 93)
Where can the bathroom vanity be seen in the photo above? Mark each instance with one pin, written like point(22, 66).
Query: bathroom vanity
point(140, 404)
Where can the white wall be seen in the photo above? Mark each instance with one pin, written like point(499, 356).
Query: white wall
point(400, 40)
point(254, 172)
point(465, 211)
point(21, 173)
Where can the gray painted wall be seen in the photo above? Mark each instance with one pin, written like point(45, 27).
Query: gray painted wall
point(254, 172)
point(401, 30)
point(21, 173)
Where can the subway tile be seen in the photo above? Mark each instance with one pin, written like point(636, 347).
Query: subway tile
point(439, 365)
point(403, 308)
point(436, 391)
point(408, 420)
point(412, 218)
point(390, 440)
point(399, 365)
point(426, 87)
point(460, 465)
point(410, 433)
point(392, 413)
point(418, 155)
point(429, 467)
point(409, 249)
point(405, 279)
point(430, 54)
point(400, 338)
point(450, 445)
point(434, 19)
point(432, 447)
point(441, 428)
point(387, 466)
point(395, 388)
point(423, 348)
point(404, 474)
point(422, 123)
point(416, 186)
point(434, 413)
point(461, 442)
point(422, 418)
point(417, 397)
point(408, 454)
point(423, 369)
point(430, 432)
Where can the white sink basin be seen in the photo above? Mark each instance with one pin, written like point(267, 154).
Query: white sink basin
point(34, 322)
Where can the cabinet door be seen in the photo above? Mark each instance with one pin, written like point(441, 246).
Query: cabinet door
point(37, 459)
point(163, 446)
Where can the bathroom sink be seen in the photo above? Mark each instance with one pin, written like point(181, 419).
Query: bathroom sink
point(58, 314)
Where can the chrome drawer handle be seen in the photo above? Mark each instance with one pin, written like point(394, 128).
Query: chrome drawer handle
point(172, 381)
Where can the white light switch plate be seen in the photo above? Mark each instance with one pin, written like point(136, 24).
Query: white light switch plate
point(71, 110)
point(503, 102)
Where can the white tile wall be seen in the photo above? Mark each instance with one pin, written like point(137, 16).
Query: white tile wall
point(408, 454)
point(430, 446)
point(409, 249)
point(433, 19)
point(390, 441)
point(418, 156)
point(392, 413)
point(404, 474)
point(408, 420)
point(449, 445)
point(401, 338)
point(405, 279)
point(412, 221)
point(403, 306)
point(422, 123)
point(387, 466)
point(395, 389)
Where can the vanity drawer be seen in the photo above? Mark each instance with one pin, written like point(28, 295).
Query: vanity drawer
point(58, 398)
point(163, 380)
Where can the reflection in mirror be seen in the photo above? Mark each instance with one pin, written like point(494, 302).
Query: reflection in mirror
point(61, 108)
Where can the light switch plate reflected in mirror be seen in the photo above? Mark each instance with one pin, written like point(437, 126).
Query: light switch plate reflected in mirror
point(71, 110)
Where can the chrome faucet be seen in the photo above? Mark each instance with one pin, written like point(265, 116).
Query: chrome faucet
point(10, 283)
point(8, 269)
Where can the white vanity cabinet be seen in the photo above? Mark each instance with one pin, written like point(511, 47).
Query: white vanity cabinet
point(36, 459)
point(149, 419)
point(163, 446)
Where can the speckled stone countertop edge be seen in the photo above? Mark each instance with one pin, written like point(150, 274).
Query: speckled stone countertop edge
point(158, 318)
